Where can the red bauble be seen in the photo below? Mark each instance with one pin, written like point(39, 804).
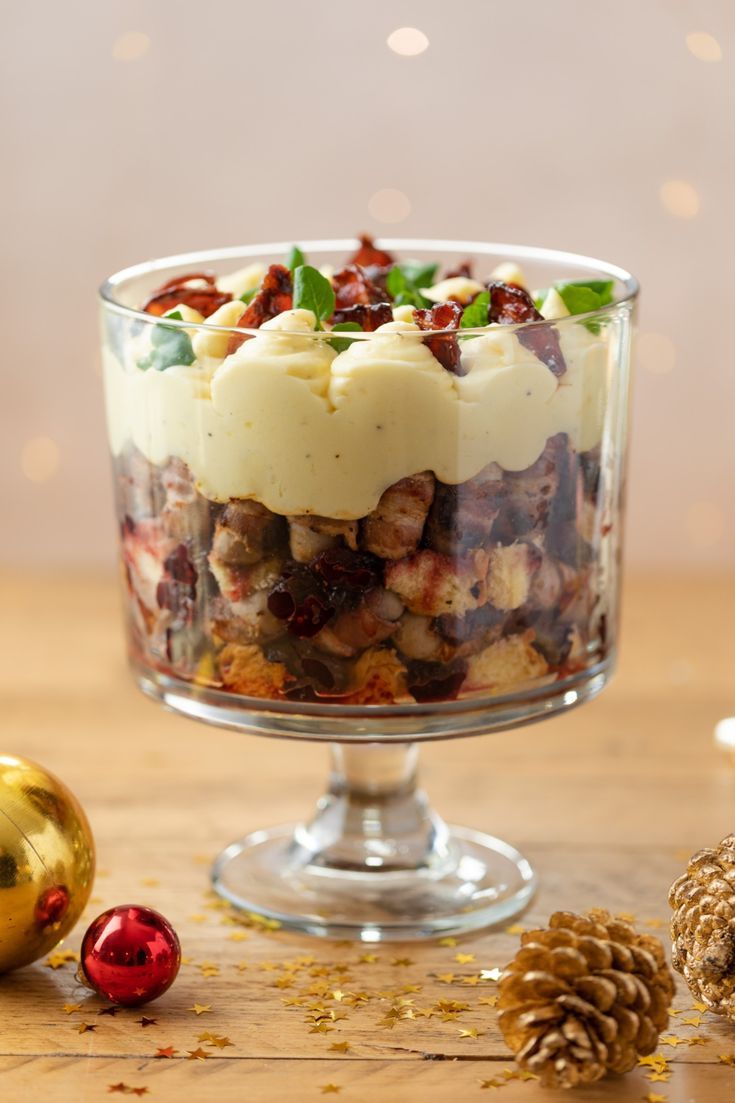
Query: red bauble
point(130, 955)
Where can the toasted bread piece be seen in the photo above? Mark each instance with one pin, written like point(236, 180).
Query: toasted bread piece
point(245, 669)
point(505, 666)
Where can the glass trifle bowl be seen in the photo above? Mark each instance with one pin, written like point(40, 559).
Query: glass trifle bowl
point(370, 495)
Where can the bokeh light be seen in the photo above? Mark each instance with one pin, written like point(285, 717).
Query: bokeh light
point(39, 459)
point(389, 205)
point(680, 198)
point(705, 47)
point(408, 41)
point(130, 46)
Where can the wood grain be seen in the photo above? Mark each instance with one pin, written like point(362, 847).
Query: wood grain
point(607, 801)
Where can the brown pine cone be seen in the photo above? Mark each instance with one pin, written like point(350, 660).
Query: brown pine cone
point(586, 996)
point(703, 926)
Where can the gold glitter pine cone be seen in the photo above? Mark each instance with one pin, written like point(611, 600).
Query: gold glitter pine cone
point(586, 996)
point(703, 926)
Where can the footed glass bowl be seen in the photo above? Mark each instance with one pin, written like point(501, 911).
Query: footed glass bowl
point(375, 518)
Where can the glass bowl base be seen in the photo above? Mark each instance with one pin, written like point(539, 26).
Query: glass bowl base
point(468, 881)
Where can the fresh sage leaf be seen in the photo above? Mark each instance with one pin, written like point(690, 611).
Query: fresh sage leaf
point(579, 300)
point(313, 291)
point(476, 313)
point(249, 295)
point(602, 288)
point(403, 290)
point(295, 259)
point(341, 343)
point(420, 275)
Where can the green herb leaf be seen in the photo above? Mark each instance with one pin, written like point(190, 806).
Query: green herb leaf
point(403, 289)
point(579, 300)
point(420, 275)
point(341, 343)
point(249, 295)
point(476, 313)
point(313, 291)
point(169, 346)
point(603, 289)
point(539, 297)
point(295, 259)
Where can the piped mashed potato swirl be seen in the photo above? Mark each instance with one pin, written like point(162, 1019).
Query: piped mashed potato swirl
point(291, 423)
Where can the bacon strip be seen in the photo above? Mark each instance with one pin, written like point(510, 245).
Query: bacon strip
point(352, 286)
point(367, 315)
point(177, 290)
point(275, 296)
point(510, 305)
point(368, 254)
point(444, 347)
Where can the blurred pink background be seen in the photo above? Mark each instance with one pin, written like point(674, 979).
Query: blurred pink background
point(138, 129)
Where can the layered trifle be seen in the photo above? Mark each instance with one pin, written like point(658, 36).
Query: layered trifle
point(376, 482)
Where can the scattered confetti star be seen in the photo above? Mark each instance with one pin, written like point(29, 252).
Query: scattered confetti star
point(220, 1041)
point(330, 1089)
point(473, 1032)
point(122, 1088)
point(656, 924)
point(200, 1008)
point(471, 980)
point(147, 1022)
point(727, 1059)
point(654, 1097)
point(70, 1008)
point(491, 974)
point(692, 1020)
point(515, 928)
point(165, 1051)
point(488, 1001)
point(322, 1028)
point(656, 1077)
point(492, 1083)
point(464, 959)
point(197, 918)
point(139, 1091)
point(340, 1047)
point(403, 961)
point(86, 1028)
point(111, 1010)
point(367, 959)
point(238, 936)
point(448, 941)
point(61, 958)
point(699, 1007)
point(197, 1054)
point(446, 978)
point(696, 1041)
point(672, 1040)
point(655, 1061)
point(627, 917)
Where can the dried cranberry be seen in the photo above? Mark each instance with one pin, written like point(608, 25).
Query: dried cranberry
point(310, 617)
point(378, 275)
point(367, 316)
point(300, 599)
point(275, 296)
point(512, 305)
point(179, 565)
point(444, 347)
point(443, 687)
point(352, 286)
point(346, 570)
point(177, 290)
point(369, 254)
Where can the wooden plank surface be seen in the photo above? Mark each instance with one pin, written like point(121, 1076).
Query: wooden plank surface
point(607, 802)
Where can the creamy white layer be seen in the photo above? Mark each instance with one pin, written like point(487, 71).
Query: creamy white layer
point(289, 422)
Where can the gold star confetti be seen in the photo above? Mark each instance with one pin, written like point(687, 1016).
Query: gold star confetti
point(627, 917)
point(367, 959)
point(448, 941)
point(698, 1040)
point(473, 1032)
point(198, 1054)
point(340, 1047)
point(86, 1028)
point(197, 918)
point(672, 1040)
point(147, 1022)
point(727, 1059)
point(655, 1061)
point(238, 936)
point(330, 1089)
point(515, 928)
point(656, 924)
point(654, 1097)
point(322, 1028)
point(675, 1011)
point(492, 1083)
point(699, 1007)
point(692, 1020)
point(658, 1077)
point(446, 978)
point(488, 1001)
point(473, 979)
point(464, 959)
point(165, 1051)
point(402, 961)
point(220, 1041)
point(61, 958)
point(200, 1008)
point(491, 974)
point(70, 1008)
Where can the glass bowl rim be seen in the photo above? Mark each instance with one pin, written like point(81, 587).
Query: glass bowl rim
point(108, 288)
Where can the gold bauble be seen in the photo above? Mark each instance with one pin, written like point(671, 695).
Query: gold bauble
point(46, 861)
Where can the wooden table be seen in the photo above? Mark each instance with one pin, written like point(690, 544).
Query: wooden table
point(607, 802)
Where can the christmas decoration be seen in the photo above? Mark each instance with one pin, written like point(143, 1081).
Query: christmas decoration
point(130, 955)
point(703, 926)
point(46, 861)
point(583, 997)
